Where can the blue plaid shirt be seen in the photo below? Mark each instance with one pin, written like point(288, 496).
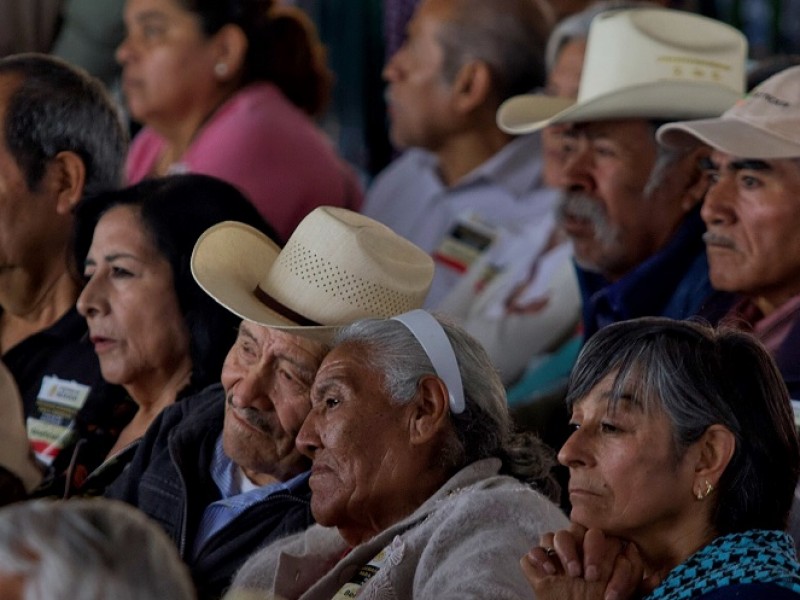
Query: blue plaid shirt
point(226, 474)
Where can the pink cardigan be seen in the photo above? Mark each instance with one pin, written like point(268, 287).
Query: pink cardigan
point(270, 149)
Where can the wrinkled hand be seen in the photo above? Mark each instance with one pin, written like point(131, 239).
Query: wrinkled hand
point(583, 564)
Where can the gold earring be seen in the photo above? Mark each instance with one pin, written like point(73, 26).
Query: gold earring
point(709, 488)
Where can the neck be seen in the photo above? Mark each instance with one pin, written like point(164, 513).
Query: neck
point(156, 391)
point(393, 507)
point(179, 133)
point(466, 151)
point(662, 553)
point(35, 307)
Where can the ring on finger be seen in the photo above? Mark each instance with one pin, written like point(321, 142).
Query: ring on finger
point(549, 551)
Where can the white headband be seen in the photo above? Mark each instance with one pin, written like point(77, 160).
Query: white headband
point(434, 342)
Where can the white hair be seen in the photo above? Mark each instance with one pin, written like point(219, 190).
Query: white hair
point(90, 549)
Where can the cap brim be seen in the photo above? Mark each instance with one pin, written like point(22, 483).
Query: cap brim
point(731, 136)
point(660, 100)
point(228, 262)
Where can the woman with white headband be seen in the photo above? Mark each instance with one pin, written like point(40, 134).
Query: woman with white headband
point(419, 486)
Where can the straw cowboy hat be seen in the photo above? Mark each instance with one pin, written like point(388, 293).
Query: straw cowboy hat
point(651, 63)
point(15, 451)
point(337, 267)
point(764, 125)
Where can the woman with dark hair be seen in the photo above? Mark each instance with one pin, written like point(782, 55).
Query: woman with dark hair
point(157, 335)
point(229, 88)
point(683, 463)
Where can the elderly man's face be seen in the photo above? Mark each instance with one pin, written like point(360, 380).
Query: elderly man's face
point(267, 378)
point(420, 101)
point(752, 212)
point(360, 445)
point(613, 222)
point(34, 223)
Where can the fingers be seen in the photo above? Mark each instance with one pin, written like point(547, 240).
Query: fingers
point(568, 550)
point(626, 576)
point(599, 553)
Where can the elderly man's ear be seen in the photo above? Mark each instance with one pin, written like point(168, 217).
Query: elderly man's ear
point(66, 176)
point(697, 185)
point(430, 411)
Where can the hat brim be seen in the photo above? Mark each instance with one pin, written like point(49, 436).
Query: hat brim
point(661, 100)
point(228, 262)
point(731, 136)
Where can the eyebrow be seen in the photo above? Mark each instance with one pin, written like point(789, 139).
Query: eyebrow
point(745, 164)
point(112, 258)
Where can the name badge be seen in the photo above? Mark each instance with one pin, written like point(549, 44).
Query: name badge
point(51, 426)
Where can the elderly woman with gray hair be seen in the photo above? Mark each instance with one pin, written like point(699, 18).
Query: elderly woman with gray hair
point(419, 486)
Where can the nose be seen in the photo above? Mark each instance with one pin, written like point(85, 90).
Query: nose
point(576, 169)
point(253, 390)
point(717, 203)
point(392, 70)
point(92, 300)
point(308, 440)
point(124, 51)
point(572, 453)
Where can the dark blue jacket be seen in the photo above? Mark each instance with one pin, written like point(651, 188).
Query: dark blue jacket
point(672, 283)
point(170, 480)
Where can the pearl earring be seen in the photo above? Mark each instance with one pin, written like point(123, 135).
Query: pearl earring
point(220, 69)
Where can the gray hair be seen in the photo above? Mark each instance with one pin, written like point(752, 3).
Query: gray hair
point(700, 376)
point(90, 549)
point(508, 35)
point(57, 108)
point(576, 26)
point(484, 429)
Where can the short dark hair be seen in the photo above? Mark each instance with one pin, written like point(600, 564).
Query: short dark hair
point(508, 35)
point(283, 47)
point(55, 108)
point(700, 376)
point(176, 210)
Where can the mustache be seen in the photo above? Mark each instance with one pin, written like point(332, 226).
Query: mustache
point(577, 205)
point(715, 239)
point(252, 415)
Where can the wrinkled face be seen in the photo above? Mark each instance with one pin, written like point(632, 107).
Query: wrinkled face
point(359, 444)
point(167, 62)
point(130, 305)
point(563, 81)
point(604, 209)
point(625, 475)
point(32, 231)
point(267, 378)
point(752, 212)
point(418, 97)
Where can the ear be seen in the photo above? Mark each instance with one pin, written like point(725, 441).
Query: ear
point(472, 85)
point(715, 450)
point(697, 184)
point(430, 410)
point(230, 49)
point(67, 175)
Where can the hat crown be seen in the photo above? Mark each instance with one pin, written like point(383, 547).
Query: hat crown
point(641, 46)
point(774, 105)
point(644, 63)
point(360, 266)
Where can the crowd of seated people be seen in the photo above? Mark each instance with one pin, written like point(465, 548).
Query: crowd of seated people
point(268, 392)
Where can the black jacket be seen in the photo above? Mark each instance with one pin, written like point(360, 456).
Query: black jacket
point(170, 480)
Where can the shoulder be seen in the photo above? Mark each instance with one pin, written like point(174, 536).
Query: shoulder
point(498, 503)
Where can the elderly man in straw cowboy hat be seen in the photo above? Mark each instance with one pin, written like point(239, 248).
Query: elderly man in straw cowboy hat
point(630, 208)
point(220, 471)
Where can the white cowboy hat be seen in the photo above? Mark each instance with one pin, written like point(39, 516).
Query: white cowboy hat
point(651, 63)
point(337, 267)
point(16, 455)
point(764, 125)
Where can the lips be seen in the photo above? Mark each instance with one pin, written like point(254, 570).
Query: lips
point(715, 240)
point(101, 343)
point(576, 226)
